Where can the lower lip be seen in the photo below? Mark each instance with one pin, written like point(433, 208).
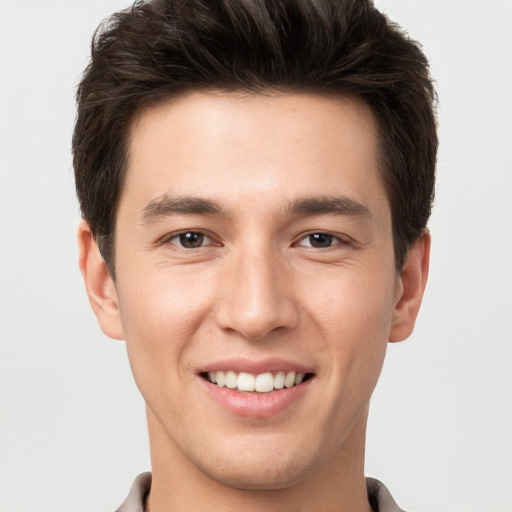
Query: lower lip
point(256, 405)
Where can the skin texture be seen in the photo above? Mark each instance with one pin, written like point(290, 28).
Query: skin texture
point(256, 290)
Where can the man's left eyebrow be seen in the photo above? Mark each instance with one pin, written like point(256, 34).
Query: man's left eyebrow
point(337, 205)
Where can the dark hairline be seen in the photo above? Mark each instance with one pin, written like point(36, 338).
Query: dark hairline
point(324, 48)
point(107, 243)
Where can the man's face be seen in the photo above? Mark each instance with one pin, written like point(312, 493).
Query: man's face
point(254, 236)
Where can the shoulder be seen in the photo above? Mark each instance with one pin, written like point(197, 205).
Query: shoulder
point(134, 502)
point(380, 498)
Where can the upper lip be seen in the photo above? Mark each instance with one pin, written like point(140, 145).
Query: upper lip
point(255, 367)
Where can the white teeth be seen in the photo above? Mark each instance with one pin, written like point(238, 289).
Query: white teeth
point(221, 379)
point(231, 380)
point(246, 382)
point(262, 383)
point(289, 380)
point(298, 378)
point(279, 380)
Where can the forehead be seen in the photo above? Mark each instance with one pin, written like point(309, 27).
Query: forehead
point(225, 145)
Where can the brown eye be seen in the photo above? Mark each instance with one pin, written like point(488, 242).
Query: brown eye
point(191, 240)
point(320, 240)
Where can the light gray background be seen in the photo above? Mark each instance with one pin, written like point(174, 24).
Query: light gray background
point(72, 427)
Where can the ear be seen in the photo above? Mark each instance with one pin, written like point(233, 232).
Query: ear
point(413, 280)
point(98, 283)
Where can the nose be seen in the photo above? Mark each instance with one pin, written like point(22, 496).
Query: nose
point(257, 295)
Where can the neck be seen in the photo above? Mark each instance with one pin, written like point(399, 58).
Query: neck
point(335, 485)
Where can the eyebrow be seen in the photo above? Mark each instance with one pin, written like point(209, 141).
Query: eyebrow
point(164, 206)
point(338, 205)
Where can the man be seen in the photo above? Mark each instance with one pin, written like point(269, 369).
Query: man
point(255, 180)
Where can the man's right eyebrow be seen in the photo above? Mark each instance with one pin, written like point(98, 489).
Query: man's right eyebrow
point(164, 206)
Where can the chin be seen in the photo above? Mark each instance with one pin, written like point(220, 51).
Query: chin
point(258, 480)
point(260, 471)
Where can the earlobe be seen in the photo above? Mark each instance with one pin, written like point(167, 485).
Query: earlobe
point(413, 280)
point(99, 284)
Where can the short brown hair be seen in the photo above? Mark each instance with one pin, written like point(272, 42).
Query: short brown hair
point(161, 48)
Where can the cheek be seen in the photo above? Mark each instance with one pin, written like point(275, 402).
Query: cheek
point(161, 313)
point(163, 299)
point(357, 300)
point(354, 315)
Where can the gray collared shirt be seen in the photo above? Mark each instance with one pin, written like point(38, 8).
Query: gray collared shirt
point(380, 498)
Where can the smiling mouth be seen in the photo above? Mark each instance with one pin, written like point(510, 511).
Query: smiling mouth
point(261, 383)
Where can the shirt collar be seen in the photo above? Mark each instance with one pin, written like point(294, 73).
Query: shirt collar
point(379, 496)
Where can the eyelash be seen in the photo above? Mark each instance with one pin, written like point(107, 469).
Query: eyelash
point(335, 240)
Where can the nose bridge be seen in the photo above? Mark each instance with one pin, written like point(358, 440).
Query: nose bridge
point(256, 299)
